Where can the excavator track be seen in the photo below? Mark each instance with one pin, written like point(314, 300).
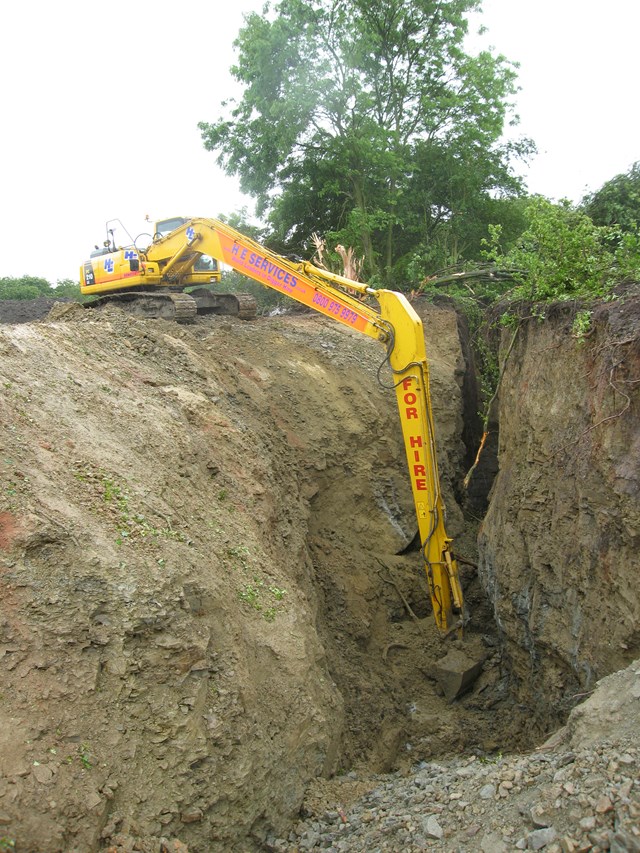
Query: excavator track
point(247, 306)
point(240, 305)
point(179, 307)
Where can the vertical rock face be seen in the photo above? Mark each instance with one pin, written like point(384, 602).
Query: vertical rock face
point(559, 547)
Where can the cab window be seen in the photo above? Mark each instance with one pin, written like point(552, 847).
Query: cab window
point(169, 225)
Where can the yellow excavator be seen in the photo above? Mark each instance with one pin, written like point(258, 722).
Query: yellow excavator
point(152, 282)
point(172, 278)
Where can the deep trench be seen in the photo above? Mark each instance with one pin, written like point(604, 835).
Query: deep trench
point(383, 647)
point(551, 606)
point(534, 669)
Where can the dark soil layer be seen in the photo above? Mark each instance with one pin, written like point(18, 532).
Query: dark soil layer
point(26, 310)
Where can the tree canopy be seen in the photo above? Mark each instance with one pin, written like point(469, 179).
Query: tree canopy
point(617, 202)
point(562, 253)
point(33, 287)
point(367, 122)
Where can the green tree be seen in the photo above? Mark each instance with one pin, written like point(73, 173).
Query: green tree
point(32, 287)
point(25, 287)
point(365, 120)
point(67, 288)
point(617, 202)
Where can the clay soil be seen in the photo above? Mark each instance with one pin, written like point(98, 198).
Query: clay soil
point(209, 602)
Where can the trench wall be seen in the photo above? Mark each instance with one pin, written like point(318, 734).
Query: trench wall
point(560, 541)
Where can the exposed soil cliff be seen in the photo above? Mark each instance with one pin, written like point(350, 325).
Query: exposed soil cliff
point(204, 606)
point(561, 540)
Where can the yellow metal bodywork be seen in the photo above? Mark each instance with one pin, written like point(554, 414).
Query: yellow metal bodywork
point(170, 260)
point(121, 270)
point(408, 362)
point(129, 268)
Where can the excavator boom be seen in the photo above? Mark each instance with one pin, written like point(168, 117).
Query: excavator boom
point(301, 281)
point(171, 258)
point(408, 362)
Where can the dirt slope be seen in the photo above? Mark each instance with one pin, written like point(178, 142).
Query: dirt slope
point(202, 608)
point(579, 791)
point(202, 604)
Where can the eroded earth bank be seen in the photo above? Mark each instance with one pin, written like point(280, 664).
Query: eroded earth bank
point(211, 616)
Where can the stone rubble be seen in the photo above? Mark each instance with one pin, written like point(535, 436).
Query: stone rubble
point(572, 795)
point(564, 802)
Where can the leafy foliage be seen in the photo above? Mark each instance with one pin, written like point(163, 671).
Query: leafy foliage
point(26, 287)
point(457, 244)
point(366, 122)
point(563, 253)
point(617, 202)
point(32, 287)
point(67, 288)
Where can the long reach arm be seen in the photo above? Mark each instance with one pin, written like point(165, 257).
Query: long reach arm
point(396, 325)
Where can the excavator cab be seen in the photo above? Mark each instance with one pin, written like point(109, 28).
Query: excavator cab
point(205, 263)
point(166, 226)
point(104, 250)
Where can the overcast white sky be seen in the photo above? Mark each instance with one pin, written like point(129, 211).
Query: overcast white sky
point(100, 105)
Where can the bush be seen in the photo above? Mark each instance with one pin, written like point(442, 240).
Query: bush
point(563, 254)
point(31, 287)
point(26, 287)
